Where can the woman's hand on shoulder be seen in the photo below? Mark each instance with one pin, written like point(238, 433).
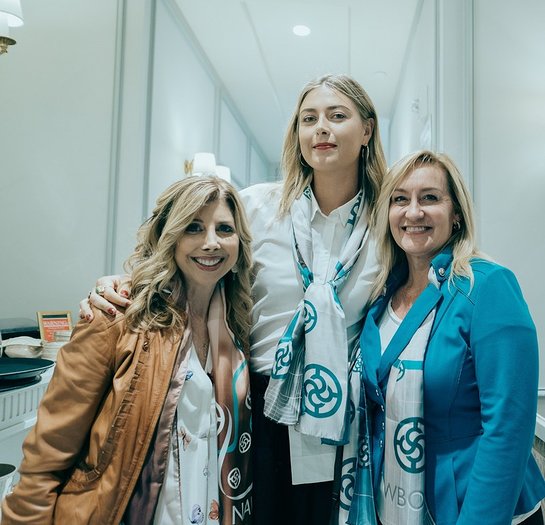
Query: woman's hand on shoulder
point(110, 291)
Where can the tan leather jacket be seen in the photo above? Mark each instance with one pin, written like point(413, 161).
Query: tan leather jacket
point(95, 423)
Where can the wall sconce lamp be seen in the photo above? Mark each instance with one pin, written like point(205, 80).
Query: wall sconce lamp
point(205, 164)
point(11, 15)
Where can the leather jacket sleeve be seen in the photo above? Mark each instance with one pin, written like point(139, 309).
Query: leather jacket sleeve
point(82, 376)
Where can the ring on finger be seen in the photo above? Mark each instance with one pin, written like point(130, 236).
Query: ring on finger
point(100, 290)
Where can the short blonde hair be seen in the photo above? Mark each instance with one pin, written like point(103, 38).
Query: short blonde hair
point(462, 240)
point(157, 282)
point(298, 174)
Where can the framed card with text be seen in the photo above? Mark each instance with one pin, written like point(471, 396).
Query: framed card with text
point(51, 322)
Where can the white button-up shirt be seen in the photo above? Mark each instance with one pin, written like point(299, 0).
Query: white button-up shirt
point(278, 289)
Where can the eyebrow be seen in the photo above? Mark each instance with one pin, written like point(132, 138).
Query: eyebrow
point(431, 188)
point(329, 108)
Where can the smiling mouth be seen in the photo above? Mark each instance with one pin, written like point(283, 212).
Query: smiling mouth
point(208, 262)
point(415, 229)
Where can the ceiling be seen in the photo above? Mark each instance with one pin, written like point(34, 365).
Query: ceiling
point(263, 65)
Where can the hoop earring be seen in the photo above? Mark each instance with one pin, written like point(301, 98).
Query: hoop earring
point(364, 154)
point(234, 269)
point(456, 226)
point(302, 161)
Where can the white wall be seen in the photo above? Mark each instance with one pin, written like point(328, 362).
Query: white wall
point(56, 103)
point(183, 103)
point(415, 104)
point(101, 102)
point(233, 146)
point(510, 142)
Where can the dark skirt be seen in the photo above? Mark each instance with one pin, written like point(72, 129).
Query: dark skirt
point(275, 499)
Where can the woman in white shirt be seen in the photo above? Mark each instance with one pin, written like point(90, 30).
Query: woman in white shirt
point(314, 267)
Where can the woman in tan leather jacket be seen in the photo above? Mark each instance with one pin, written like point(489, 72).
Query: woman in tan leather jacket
point(147, 416)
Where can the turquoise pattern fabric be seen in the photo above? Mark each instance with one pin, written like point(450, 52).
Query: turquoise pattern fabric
point(309, 385)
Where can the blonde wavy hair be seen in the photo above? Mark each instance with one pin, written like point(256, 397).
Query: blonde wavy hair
point(462, 240)
point(158, 296)
point(298, 174)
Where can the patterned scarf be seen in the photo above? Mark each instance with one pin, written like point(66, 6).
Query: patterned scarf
point(309, 379)
point(232, 390)
point(232, 394)
point(401, 496)
point(362, 505)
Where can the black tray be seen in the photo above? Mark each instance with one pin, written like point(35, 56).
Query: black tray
point(18, 383)
point(16, 368)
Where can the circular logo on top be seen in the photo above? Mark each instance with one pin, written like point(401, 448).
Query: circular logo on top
point(322, 392)
point(409, 444)
point(311, 316)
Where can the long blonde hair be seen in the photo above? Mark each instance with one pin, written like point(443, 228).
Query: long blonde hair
point(158, 296)
point(298, 174)
point(462, 240)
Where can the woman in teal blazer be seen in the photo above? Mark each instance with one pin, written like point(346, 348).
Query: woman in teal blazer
point(450, 363)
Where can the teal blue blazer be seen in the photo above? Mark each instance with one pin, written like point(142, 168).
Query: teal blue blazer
point(480, 393)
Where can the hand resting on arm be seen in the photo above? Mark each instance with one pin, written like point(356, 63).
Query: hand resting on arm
point(110, 291)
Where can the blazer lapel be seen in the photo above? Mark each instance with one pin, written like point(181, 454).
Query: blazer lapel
point(420, 310)
point(370, 340)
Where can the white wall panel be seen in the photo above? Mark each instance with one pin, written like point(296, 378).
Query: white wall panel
point(183, 104)
point(233, 146)
point(415, 101)
point(259, 170)
point(55, 135)
point(510, 138)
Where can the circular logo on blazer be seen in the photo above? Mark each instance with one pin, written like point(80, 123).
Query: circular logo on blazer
point(409, 444)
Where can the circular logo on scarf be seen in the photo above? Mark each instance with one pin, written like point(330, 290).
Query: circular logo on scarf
point(244, 443)
point(248, 401)
point(220, 418)
point(233, 479)
point(409, 444)
point(351, 411)
point(358, 365)
point(311, 316)
point(348, 480)
point(322, 392)
point(401, 367)
point(282, 360)
point(364, 457)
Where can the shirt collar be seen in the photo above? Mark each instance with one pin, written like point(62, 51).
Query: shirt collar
point(342, 212)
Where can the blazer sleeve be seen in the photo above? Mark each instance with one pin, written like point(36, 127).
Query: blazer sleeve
point(82, 376)
point(505, 350)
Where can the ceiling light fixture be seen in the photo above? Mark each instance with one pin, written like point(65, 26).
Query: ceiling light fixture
point(301, 30)
point(10, 16)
